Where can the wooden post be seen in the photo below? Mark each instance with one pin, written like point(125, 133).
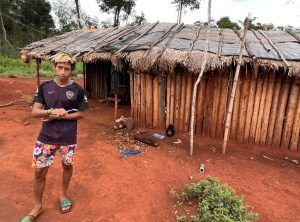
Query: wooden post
point(236, 106)
point(261, 109)
point(177, 100)
point(172, 102)
point(149, 100)
point(188, 102)
point(143, 99)
point(131, 76)
point(38, 62)
point(295, 137)
point(116, 106)
point(168, 100)
point(222, 105)
point(267, 110)
point(245, 90)
point(284, 93)
point(200, 106)
point(208, 104)
point(216, 103)
point(155, 101)
point(236, 76)
point(254, 119)
point(290, 113)
point(182, 106)
point(274, 107)
point(162, 100)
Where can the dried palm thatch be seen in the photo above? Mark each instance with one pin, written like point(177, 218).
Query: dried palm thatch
point(165, 46)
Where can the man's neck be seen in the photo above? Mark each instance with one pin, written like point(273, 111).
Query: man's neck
point(63, 83)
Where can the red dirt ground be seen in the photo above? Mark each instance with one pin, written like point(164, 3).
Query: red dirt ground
point(108, 188)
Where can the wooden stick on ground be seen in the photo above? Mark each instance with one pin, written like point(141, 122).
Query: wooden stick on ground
point(236, 76)
point(12, 103)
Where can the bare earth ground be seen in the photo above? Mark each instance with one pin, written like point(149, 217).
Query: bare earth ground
point(108, 188)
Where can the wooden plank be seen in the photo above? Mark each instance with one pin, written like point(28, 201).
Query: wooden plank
point(245, 91)
point(172, 102)
point(188, 102)
point(274, 107)
point(155, 101)
point(290, 113)
point(259, 86)
point(168, 100)
point(149, 100)
point(216, 101)
point(282, 105)
point(135, 97)
point(177, 101)
point(208, 104)
point(201, 98)
point(222, 104)
point(162, 91)
point(236, 106)
point(267, 109)
point(143, 99)
point(295, 137)
point(138, 77)
point(261, 109)
point(182, 102)
point(131, 93)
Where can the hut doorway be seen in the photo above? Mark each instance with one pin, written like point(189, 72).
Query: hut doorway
point(103, 81)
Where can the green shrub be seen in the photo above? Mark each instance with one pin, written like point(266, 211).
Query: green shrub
point(217, 203)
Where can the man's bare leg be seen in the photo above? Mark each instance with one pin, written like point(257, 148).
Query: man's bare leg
point(38, 189)
point(66, 177)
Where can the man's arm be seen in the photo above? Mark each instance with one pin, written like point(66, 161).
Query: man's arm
point(38, 112)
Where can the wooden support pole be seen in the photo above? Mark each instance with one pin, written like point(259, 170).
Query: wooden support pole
point(295, 137)
point(182, 106)
point(116, 106)
point(216, 103)
point(282, 105)
point(188, 101)
point(131, 93)
point(149, 100)
point(222, 105)
point(274, 107)
point(267, 110)
point(155, 101)
point(261, 109)
point(177, 100)
point(172, 98)
point(38, 62)
point(290, 113)
point(162, 89)
point(236, 77)
point(200, 107)
point(143, 99)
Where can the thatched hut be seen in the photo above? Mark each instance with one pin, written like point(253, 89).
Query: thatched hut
point(158, 64)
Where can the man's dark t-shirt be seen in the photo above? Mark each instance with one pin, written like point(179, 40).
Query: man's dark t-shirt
point(60, 132)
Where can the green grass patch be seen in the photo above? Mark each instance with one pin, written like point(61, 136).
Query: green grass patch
point(16, 67)
point(216, 202)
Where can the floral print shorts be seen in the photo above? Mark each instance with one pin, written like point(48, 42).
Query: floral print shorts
point(43, 154)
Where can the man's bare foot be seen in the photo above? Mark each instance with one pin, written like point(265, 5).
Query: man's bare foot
point(37, 210)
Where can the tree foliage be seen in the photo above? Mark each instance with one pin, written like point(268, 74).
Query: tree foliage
point(67, 16)
point(181, 4)
point(139, 19)
point(225, 22)
point(24, 21)
point(116, 7)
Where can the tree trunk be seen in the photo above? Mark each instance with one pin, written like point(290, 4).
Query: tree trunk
point(78, 14)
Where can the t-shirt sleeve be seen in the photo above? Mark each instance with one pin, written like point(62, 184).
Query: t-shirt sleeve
point(82, 102)
point(39, 95)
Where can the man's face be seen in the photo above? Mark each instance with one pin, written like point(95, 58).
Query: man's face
point(63, 71)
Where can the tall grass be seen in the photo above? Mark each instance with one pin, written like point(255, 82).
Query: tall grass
point(16, 67)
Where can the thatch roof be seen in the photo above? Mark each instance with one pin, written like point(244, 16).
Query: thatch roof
point(164, 46)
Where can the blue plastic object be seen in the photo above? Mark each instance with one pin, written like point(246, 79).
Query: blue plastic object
point(128, 153)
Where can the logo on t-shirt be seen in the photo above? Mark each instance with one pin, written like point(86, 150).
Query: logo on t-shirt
point(69, 94)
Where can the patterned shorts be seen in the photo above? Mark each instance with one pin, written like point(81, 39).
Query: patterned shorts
point(43, 154)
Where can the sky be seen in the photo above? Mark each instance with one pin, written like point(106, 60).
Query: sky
point(278, 12)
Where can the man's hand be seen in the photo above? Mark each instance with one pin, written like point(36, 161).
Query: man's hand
point(58, 112)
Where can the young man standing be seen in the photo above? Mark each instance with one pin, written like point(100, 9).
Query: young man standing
point(60, 103)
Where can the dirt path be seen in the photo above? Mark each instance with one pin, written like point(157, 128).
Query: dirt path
point(108, 188)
